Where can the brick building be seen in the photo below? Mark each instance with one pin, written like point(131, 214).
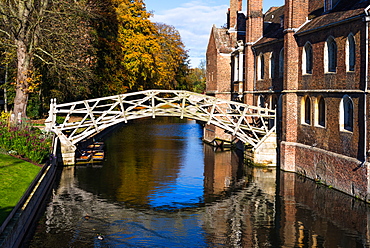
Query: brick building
point(309, 59)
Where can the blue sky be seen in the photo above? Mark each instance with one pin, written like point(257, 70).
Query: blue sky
point(194, 20)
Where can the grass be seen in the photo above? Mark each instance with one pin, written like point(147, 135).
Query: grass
point(15, 177)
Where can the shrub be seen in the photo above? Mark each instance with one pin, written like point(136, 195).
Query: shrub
point(25, 140)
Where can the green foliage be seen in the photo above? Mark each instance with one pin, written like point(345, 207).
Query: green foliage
point(197, 78)
point(15, 176)
point(25, 141)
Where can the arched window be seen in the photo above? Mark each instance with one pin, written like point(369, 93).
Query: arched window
point(346, 114)
point(330, 56)
point(307, 58)
point(261, 101)
point(273, 102)
point(260, 67)
point(281, 63)
point(320, 112)
point(350, 53)
point(306, 110)
point(272, 65)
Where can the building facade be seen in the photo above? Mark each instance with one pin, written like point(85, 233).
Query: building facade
point(309, 60)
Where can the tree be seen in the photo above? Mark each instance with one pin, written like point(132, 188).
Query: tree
point(197, 78)
point(43, 33)
point(20, 24)
point(152, 54)
point(172, 59)
point(66, 56)
point(138, 43)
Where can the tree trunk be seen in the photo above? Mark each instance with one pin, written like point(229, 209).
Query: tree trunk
point(23, 77)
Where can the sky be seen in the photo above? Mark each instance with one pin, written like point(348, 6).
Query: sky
point(194, 20)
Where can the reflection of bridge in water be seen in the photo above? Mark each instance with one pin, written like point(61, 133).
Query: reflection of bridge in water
point(76, 121)
point(71, 203)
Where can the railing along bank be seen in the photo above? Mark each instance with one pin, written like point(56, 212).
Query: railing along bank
point(16, 225)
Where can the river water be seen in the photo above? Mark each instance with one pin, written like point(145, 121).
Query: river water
point(160, 186)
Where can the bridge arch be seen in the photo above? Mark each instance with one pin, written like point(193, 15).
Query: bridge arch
point(249, 124)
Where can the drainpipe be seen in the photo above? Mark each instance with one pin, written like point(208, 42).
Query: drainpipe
point(367, 19)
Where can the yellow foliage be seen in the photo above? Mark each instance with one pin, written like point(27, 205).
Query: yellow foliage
point(5, 116)
point(33, 81)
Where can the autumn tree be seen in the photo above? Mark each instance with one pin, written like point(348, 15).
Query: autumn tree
point(172, 59)
point(138, 43)
point(139, 54)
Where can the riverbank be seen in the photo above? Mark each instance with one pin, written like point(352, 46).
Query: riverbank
point(15, 176)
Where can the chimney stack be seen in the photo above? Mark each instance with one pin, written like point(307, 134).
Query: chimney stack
point(235, 7)
point(254, 21)
point(254, 31)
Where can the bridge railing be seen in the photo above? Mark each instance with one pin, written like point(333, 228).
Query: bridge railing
point(76, 121)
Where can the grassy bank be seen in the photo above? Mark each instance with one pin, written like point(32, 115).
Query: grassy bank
point(15, 177)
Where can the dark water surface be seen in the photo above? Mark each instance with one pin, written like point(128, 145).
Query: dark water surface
point(160, 186)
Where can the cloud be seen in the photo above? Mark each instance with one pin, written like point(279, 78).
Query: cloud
point(194, 21)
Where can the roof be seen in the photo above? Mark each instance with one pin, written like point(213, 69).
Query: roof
point(344, 10)
point(222, 39)
point(272, 29)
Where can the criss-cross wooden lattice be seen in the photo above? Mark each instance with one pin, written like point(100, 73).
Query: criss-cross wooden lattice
point(76, 121)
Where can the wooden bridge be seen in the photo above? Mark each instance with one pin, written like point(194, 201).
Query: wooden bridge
point(76, 121)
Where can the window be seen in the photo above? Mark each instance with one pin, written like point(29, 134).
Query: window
point(307, 59)
point(350, 53)
point(261, 101)
point(260, 67)
point(330, 4)
point(272, 65)
point(281, 63)
point(346, 114)
point(273, 102)
point(330, 56)
point(306, 110)
point(320, 112)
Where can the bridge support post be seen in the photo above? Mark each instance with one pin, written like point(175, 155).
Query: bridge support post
point(68, 151)
point(68, 155)
point(266, 153)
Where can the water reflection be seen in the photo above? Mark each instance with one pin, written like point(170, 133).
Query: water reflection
point(162, 187)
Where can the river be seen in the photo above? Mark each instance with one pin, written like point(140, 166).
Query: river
point(161, 186)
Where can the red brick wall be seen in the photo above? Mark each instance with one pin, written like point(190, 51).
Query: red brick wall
point(341, 172)
point(235, 7)
point(332, 87)
point(223, 76)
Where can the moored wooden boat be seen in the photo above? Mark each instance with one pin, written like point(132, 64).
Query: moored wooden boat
point(84, 157)
point(92, 153)
point(96, 146)
point(98, 155)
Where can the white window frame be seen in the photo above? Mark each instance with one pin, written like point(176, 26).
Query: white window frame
point(272, 65)
point(306, 115)
point(307, 59)
point(260, 67)
point(346, 114)
point(261, 102)
point(330, 55)
point(350, 53)
point(320, 112)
